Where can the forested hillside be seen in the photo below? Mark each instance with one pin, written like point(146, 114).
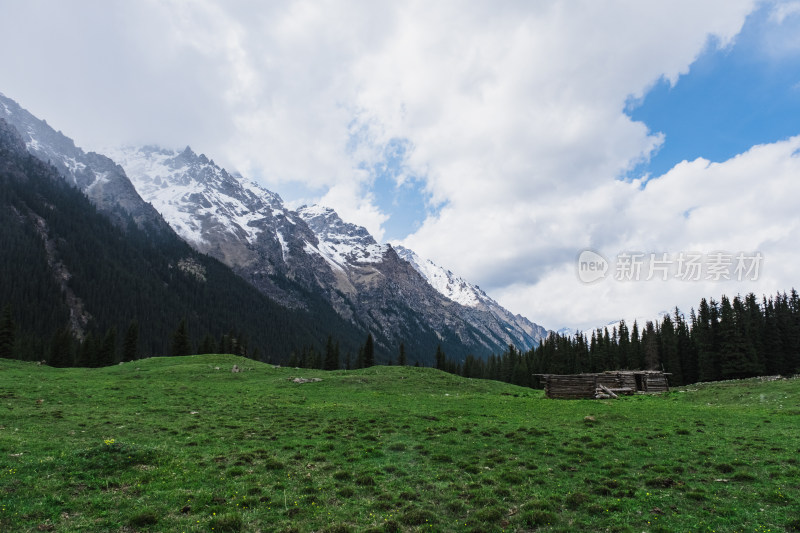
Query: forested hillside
point(77, 289)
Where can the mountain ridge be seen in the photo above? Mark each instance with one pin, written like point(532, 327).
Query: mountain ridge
point(315, 247)
point(293, 256)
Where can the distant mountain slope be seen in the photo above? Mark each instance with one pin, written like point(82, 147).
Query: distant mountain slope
point(251, 230)
point(276, 249)
point(483, 310)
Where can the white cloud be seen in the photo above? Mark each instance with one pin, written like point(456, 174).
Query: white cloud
point(745, 204)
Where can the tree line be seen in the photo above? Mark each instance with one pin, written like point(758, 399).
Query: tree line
point(730, 339)
point(725, 339)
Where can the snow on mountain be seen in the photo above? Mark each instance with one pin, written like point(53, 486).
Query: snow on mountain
point(641, 322)
point(340, 242)
point(195, 195)
point(251, 230)
point(444, 281)
point(103, 181)
point(518, 330)
point(308, 259)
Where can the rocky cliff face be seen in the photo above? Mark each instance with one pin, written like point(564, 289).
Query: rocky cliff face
point(251, 230)
point(102, 180)
point(480, 310)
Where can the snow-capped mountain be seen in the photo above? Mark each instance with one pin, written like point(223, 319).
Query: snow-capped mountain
point(226, 216)
point(309, 259)
point(102, 180)
point(251, 230)
point(487, 313)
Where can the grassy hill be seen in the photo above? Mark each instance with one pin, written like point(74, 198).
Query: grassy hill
point(184, 444)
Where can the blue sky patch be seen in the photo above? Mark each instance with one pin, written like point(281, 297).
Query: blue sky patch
point(398, 192)
point(731, 99)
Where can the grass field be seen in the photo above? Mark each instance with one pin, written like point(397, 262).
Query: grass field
point(184, 444)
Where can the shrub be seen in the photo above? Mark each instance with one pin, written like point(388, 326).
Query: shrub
point(145, 519)
point(228, 523)
point(535, 519)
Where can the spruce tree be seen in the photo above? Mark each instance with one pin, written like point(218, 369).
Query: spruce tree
point(360, 358)
point(704, 334)
point(8, 330)
point(686, 352)
point(650, 342)
point(87, 354)
point(670, 358)
point(773, 341)
point(331, 355)
point(207, 345)
point(440, 358)
point(130, 344)
point(107, 355)
point(369, 352)
point(738, 357)
point(401, 359)
point(61, 349)
point(180, 341)
point(637, 354)
point(624, 345)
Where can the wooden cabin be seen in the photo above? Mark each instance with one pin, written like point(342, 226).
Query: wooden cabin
point(604, 385)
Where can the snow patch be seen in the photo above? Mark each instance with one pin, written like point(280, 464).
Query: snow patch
point(444, 281)
point(181, 185)
point(100, 178)
point(284, 247)
point(310, 249)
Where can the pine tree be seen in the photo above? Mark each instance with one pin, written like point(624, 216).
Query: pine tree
point(440, 358)
point(670, 358)
point(624, 345)
point(87, 354)
point(130, 345)
point(61, 349)
point(401, 359)
point(107, 355)
point(703, 332)
point(331, 355)
point(369, 352)
point(8, 330)
point(180, 341)
point(652, 360)
point(637, 354)
point(207, 345)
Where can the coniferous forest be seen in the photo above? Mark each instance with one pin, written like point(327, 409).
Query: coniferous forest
point(729, 339)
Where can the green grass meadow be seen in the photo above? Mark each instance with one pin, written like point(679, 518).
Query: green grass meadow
point(184, 444)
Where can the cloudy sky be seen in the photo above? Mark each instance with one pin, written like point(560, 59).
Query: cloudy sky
point(499, 139)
